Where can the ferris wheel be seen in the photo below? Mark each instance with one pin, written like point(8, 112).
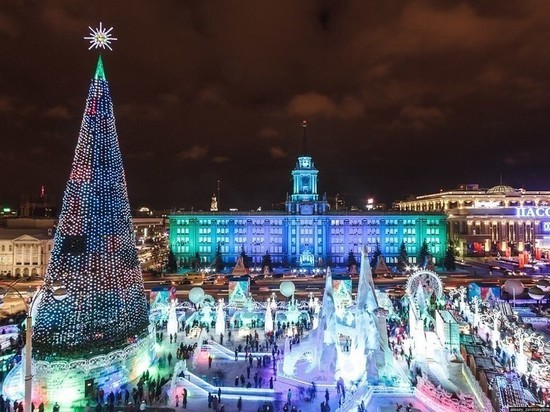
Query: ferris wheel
point(428, 281)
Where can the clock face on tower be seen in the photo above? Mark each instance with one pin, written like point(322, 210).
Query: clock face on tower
point(306, 209)
point(305, 162)
point(305, 182)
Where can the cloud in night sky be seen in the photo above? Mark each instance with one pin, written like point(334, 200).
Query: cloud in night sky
point(194, 153)
point(220, 159)
point(401, 97)
point(277, 152)
point(313, 104)
point(6, 104)
point(268, 133)
point(59, 112)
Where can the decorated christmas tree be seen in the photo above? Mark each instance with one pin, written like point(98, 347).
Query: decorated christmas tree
point(94, 255)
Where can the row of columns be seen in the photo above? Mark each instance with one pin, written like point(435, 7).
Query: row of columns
point(439, 205)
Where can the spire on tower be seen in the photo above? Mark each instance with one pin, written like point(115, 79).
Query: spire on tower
point(304, 126)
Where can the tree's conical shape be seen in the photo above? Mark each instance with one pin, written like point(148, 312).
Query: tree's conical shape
point(366, 295)
point(94, 254)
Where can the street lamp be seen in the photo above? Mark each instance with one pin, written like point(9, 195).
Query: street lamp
point(59, 293)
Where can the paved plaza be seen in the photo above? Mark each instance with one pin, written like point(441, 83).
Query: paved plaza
point(225, 373)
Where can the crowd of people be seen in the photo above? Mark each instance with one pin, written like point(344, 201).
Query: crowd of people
point(507, 359)
point(258, 370)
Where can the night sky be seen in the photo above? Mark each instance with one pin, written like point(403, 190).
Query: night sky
point(402, 97)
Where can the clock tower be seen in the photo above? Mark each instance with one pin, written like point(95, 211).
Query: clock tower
point(305, 199)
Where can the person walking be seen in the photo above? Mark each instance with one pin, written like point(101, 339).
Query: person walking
point(240, 404)
point(327, 396)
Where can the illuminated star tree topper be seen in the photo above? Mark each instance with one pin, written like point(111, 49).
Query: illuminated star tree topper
point(100, 38)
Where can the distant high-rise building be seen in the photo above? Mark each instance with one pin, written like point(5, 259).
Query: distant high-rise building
point(38, 205)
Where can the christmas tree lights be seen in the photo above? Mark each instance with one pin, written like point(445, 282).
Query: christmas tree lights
point(94, 254)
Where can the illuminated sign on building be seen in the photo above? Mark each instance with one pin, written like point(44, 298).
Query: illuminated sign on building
point(546, 227)
point(533, 212)
point(486, 203)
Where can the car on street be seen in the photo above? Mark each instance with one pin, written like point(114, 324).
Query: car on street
point(209, 280)
point(518, 272)
point(221, 280)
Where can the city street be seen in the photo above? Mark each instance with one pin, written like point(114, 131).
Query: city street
point(261, 289)
point(473, 270)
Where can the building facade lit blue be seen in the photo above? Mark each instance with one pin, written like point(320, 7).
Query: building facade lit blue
point(307, 234)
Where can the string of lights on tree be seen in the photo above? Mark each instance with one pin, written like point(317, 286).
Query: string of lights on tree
point(94, 254)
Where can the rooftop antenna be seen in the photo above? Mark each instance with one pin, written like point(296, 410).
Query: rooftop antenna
point(304, 126)
point(501, 178)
